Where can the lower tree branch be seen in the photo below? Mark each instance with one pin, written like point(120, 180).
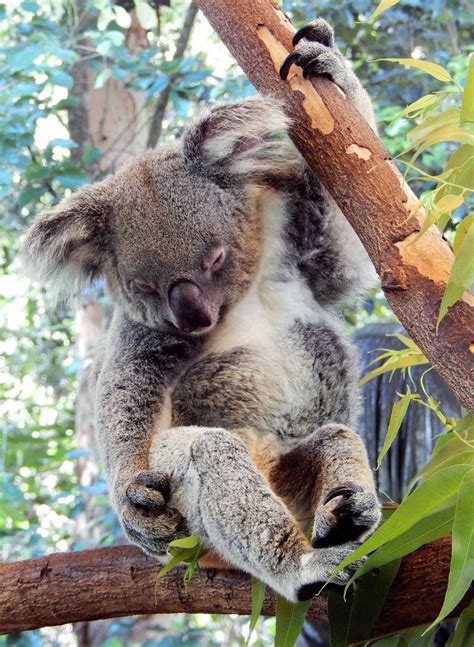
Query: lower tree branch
point(122, 581)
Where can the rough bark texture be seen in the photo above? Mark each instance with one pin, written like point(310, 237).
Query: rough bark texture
point(353, 164)
point(122, 581)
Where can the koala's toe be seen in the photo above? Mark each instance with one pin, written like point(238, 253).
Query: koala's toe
point(148, 492)
point(318, 30)
point(347, 513)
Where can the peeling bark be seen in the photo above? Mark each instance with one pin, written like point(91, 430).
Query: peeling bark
point(355, 167)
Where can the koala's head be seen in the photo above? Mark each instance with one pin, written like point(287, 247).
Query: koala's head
point(176, 232)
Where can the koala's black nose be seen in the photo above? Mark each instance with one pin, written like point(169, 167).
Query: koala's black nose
point(189, 307)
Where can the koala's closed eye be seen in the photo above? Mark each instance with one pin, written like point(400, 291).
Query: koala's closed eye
point(144, 287)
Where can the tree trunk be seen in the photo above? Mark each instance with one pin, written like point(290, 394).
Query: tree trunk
point(156, 125)
point(341, 148)
point(121, 581)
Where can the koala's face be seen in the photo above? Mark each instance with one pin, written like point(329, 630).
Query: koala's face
point(176, 232)
point(183, 249)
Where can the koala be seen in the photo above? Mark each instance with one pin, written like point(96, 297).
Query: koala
point(225, 389)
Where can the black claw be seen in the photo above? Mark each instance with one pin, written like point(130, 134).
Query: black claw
point(287, 63)
point(155, 481)
point(304, 32)
point(342, 490)
point(309, 67)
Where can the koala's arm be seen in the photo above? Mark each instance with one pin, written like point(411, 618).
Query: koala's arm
point(137, 366)
point(325, 248)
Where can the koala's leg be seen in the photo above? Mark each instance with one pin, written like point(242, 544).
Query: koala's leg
point(230, 505)
point(328, 475)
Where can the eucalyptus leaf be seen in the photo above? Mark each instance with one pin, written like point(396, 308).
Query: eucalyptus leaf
point(467, 108)
point(258, 596)
point(399, 411)
point(429, 494)
point(461, 277)
point(352, 619)
point(289, 621)
point(425, 66)
point(185, 542)
point(464, 631)
point(403, 362)
point(461, 572)
point(427, 529)
point(382, 6)
point(462, 230)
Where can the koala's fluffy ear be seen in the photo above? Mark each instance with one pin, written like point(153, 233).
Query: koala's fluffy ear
point(243, 140)
point(66, 246)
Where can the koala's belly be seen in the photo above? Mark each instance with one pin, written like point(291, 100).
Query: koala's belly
point(287, 387)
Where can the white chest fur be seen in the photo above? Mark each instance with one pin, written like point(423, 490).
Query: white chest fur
point(277, 297)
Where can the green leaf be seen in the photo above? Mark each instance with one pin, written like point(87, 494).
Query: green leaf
point(449, 203)
point(464, 632)
point(427, 496)
point(467, 108)
point(462, 556)
point(186, 542)
point(22, 57)
point(57, 76)
point(180, 557)
point(427, 529)
point(399, 410)
point(382, 6)
point(418, 105)
point(258, 595)
point(289, 621)
point(145, 14)
point(353, 619)
point(425, 66)
point(461, 231)
point(403, 362)
point(461, 168)
point(431, 124)
point(91, 155)
point(461, 277)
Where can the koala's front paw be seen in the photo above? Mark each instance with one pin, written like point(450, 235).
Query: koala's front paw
point(318, 567)
point(347, 513)
point(316, 53)
point(145, 515)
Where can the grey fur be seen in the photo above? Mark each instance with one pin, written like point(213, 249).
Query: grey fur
point(233, 433)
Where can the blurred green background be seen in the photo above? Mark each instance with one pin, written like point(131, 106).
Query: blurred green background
point(84, 85)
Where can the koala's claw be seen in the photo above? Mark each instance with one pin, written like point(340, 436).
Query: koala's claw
point(318, 567)
point(315, 52)
point(346, 513)
point(145, 516)
point(318, 30)
point(149, 492)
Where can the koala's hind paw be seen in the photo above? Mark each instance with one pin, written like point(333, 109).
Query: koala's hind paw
point(315, 52)
point(318, 567)
point(145, 516)
point(346, 514)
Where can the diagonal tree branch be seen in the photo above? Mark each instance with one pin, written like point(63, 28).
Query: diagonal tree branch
point(357, 170)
